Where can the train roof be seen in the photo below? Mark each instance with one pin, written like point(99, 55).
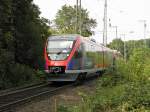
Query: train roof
point(73, 37)
point(64, 37)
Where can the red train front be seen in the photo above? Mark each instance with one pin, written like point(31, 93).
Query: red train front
point(58, 52)
point(69, 57)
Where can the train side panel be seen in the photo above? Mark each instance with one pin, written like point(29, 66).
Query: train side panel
point(86, 57)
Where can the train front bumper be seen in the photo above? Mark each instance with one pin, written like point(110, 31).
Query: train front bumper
point(61, 76)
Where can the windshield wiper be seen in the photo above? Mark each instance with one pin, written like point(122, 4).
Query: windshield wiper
point(62, 51)
point(59, 52)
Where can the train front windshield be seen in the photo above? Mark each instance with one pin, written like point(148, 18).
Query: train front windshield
point(59, 49)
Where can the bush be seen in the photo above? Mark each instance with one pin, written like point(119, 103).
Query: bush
point(125, 90)
point(17, 75)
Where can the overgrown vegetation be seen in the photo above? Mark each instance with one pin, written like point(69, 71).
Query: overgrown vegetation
point(22, 36)
point(124, 90)
point(127, 47)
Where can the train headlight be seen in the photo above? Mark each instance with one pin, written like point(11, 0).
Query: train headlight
point(57, 69)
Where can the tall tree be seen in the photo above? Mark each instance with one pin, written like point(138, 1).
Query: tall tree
point(22, 35)
point(30, 31)
point(117, 44)
point(66, 21)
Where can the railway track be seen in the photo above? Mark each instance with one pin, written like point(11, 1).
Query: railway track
point(9, 91)
point(11, 99)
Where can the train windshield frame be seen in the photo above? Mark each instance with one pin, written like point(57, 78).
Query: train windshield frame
point(59, 44)
point(58, 50)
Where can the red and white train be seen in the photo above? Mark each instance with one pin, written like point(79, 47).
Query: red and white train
point(72, 57)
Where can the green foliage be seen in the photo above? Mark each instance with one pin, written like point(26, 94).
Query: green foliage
point(66, 21)
point(22, 36)
point(17, 75)
point(14, 74)
point(124, 90)
point(117, 44)
point(31, 32)
point(136, 68)
point(62, 108)
point(130, 45)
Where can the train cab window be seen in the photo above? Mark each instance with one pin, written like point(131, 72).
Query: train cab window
point(59, 49)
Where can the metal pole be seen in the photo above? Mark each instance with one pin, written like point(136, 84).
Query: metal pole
point(116, 32)
point(80, 25)
point(124, 47)
point(77, 16)
point(125, 54)
point(116, 27)
point(105, 24)
point(145, 33)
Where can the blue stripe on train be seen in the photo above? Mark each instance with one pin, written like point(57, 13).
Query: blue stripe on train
point(70, 65)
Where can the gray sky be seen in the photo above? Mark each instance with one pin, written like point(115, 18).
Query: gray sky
point(126, 14)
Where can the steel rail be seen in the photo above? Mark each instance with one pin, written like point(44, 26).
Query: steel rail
point(22, 89)
point(9, 91)
point(9, 105)
point(49, 91)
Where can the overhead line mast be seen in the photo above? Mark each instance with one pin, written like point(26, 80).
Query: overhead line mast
point(77, 2)
point(78, 17)
point(105, 24)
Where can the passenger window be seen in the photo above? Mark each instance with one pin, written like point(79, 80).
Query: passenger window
point(79, 52)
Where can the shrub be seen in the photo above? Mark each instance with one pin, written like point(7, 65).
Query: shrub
point(125, 90)
point(17, 75)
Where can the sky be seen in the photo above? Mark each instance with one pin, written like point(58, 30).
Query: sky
point(127, 15)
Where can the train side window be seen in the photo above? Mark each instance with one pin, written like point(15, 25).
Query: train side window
point(79, 52)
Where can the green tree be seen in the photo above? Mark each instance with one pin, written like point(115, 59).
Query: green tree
point(66, 21)
point(117, 44)
point(30, 33)
point(6, 40)
point(22, 36)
